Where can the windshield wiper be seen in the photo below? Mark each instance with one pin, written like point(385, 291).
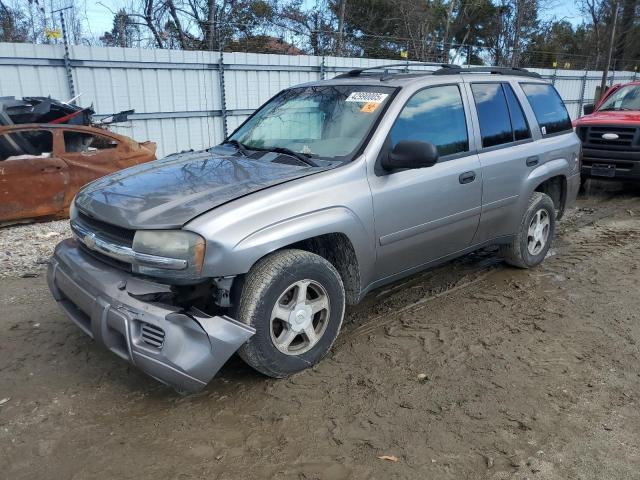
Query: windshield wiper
point(619, 109)
point(287, 151)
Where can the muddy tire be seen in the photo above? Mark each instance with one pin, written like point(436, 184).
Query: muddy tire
point(535, 234)
point(295, 300)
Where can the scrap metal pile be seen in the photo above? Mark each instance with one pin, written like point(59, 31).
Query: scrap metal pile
point(50, 149)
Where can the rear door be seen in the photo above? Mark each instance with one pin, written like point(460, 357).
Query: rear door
point(427, 213)
point(31, 185)
point(505, 153)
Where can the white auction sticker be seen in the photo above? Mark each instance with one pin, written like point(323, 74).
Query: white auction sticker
point(368, 97)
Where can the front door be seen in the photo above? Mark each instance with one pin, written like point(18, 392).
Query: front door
point(31, 185)
point(424, 214)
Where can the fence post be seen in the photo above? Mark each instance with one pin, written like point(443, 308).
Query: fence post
point(555, 73)
point(582, 90)
point(613, 73)
point(322, 66)
point(67, 60)
point(223, 95)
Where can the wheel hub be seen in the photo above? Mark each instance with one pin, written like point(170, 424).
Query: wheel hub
point(538, 232)
point(301, 317)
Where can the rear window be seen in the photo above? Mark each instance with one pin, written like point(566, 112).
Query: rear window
point(548, 108)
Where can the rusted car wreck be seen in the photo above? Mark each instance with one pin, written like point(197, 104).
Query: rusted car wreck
point(43, 165)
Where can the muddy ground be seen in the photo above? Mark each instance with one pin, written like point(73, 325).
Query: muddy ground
point(529, 374)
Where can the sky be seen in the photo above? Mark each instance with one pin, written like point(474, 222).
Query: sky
point(100, 17)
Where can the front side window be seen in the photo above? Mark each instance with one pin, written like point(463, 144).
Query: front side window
point(320, 121)
point(548, 107)
point(493, 114)
point(625, 98)
point(26, 143)
point(434, 115)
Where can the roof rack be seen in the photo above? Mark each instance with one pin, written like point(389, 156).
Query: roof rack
point(404, 66)
point(455, 69)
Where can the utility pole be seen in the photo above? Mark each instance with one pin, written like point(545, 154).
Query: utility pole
point(340, 43)
point(605, 73)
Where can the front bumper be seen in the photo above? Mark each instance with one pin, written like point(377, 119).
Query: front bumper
point(626, 163)
point(183, 349)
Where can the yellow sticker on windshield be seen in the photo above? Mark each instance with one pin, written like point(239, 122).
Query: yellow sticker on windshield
point(370, 107)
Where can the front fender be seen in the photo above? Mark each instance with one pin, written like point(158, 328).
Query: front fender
point(239, 258)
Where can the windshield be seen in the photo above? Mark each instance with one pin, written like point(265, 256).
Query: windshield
point(321, 121)
point(625, 98)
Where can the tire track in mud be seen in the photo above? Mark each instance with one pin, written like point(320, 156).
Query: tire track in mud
point(579, 237)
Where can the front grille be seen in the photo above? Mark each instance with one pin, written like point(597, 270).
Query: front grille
point(152, 335)
point(628, 137)
point(105, 259)
point(107, 231)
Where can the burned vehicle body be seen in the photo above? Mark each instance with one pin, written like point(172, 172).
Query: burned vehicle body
point(259, 243)
point(42, 166)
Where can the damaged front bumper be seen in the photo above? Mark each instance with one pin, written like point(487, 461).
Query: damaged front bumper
point(183, 349)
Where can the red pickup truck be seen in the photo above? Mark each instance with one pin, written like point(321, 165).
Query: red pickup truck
point(610, 134)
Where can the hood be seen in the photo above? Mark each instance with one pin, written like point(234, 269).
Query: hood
point(611, 117)
point(168, 193)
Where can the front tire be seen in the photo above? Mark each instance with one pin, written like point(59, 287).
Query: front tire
point(532, 241)
point(295, 300)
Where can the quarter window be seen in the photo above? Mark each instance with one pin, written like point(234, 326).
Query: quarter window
point(493, 114)
point(548, 108)
point(434, 115)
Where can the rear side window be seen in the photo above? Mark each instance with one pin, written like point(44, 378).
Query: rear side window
point(434, 115)
point(518, 121)
point(548, 108)
point(493, 114)
point(86, 142)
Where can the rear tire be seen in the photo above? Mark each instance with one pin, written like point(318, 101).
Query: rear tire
point(532, 241)
point(295, 300)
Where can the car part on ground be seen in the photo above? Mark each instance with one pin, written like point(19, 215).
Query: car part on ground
point(61, 160)
point(407, 171)
point(610, 134)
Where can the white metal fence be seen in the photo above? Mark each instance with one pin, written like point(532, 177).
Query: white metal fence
point(186, 99)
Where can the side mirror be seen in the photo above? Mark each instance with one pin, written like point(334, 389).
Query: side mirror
point(588, 108)
point(410, 154)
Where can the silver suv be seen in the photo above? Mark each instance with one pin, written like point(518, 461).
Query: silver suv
point(329, 190)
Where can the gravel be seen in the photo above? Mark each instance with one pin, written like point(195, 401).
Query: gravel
point(25, 249)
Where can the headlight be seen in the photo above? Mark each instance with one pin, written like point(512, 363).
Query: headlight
point(185, 247)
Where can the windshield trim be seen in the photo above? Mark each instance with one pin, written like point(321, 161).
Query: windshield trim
point(601, 107)
point(357, 151)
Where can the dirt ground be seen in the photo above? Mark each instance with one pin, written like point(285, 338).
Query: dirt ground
point(529, 374)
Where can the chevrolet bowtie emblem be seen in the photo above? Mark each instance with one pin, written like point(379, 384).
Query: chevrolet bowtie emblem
point(89, 240)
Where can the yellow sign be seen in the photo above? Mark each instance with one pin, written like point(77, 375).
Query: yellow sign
point(404, 54)
point(370, 107)
point(52, 34)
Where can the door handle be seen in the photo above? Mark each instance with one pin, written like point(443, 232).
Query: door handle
point(467, 177)
point(533, 160)
point(50, 169)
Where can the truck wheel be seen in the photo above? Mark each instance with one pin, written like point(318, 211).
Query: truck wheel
point(295, 300)
point(534, 236)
